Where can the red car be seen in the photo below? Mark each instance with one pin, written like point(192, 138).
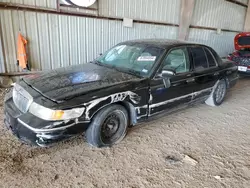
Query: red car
point(241, 56)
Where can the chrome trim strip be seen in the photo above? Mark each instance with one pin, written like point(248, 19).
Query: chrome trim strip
point(178, 98)
point(171, 100)
point(139, 117)
point(45, 130)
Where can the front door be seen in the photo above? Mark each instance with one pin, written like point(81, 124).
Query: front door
point(180, 92)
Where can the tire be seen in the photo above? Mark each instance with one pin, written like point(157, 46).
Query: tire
point(218, 94)
point(108, 127)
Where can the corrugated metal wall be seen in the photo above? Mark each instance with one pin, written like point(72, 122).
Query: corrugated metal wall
point(2, 62)
point(222, 43)
point(219, 14)
point(243, 1)
point(151, 10)
point(56, 40)
point(36, 3)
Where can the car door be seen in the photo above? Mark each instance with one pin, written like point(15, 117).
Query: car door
point(180, 91)
point(205, 71)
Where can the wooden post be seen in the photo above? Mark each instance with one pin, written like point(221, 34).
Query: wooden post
point(187, 8)
point(247, 19)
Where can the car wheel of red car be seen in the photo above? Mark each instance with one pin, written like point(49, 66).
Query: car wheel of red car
point(218, 94)
point(109, 126)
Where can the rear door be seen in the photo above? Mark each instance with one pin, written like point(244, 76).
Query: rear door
point(205, 71)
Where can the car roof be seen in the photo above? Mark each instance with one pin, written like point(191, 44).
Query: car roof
point(162, 43)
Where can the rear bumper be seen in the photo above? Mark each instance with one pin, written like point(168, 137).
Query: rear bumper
point(26, 127)
point(247, 73)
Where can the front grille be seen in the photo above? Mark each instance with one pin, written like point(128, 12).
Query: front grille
point(244, 61)
point(22, 99)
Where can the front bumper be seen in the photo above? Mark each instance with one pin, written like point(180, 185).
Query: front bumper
point(30, 129)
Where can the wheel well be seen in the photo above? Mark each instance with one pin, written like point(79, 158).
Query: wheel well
point(131, 111)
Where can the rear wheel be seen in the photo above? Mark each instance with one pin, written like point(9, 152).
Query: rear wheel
point(218, 94)
point(108, 127)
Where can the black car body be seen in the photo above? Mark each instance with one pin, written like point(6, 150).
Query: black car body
point(93, 87)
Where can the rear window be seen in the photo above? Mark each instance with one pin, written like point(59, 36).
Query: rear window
point(199, 58)
point(244, 41)
point(210, 58)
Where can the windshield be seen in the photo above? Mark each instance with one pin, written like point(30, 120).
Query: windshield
point(136, 59)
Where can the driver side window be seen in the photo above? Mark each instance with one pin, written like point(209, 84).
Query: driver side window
point(177, 60)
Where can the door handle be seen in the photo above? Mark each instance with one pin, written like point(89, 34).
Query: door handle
point(190, 80)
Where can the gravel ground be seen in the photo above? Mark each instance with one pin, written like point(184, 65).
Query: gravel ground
point(197, 147)
point(3, 91)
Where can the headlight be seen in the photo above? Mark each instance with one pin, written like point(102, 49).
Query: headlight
point(54, 115)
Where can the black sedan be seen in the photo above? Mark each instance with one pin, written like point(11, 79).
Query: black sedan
point(130, 83)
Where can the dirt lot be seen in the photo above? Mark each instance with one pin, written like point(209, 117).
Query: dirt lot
point(197, 147)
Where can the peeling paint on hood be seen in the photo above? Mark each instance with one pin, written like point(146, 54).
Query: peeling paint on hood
point(66, 83)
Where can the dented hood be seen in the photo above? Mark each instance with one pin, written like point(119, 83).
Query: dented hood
point(66, 83)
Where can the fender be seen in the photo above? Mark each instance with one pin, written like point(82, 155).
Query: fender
point(128, 98)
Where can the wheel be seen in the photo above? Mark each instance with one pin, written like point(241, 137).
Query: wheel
point(218, 94)
point(108, 127)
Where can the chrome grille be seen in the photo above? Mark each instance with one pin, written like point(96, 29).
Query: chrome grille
point(22, 99)
point(244, 61)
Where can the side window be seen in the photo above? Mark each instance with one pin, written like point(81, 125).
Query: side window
point(210, 58)
point(199, 58)
point(216, 56)
point(178, 60)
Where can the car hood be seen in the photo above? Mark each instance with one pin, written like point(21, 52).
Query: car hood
point(66, 83)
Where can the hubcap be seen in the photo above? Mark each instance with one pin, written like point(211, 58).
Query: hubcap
point(110, 127)
point(220, 92)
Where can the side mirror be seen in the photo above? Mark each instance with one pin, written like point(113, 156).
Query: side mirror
point(166, 74)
